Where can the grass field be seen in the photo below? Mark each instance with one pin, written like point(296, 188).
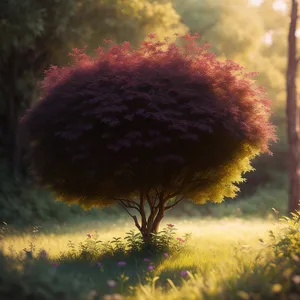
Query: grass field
point(217, 254)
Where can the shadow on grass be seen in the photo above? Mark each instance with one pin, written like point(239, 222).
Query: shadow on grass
point(108, 273)
point(116, 272)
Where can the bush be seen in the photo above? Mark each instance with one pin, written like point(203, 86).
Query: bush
point(279, 276)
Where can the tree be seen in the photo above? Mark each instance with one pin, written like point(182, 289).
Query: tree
point(292, 113)
point(35, 33)
point(231, 26)
point(150, 126)
point(236, 31)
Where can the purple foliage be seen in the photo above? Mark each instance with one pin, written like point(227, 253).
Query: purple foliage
point(122, 122)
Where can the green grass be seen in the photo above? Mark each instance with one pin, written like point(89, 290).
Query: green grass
point(218, 252)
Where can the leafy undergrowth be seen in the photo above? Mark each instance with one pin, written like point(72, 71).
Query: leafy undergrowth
point(223, 260)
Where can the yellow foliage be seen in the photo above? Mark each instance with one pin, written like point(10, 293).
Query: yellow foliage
point(148, 17)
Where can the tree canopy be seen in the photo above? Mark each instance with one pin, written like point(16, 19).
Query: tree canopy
point(131, 121)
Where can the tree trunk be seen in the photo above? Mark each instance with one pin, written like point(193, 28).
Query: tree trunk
point(157, 202)
point(292, 113)
point(11, 95)
point(147, 234)
point(146, 226)
point(151, 225)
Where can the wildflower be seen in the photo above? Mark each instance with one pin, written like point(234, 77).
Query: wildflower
point(111, 283)
point(150, 268)
point(121, 263)
point(88, 235)
point(146, 259)
point(184, 273)
point(166, 255)
point(170, 225)
point(180, 239)
point(55, 265)
point(99, 264)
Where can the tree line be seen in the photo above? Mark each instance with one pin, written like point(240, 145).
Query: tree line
point(35, 34)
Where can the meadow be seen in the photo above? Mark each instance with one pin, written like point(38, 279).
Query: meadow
point(214, 263)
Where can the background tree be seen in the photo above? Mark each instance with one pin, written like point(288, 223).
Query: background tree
point(212, 20)
point(292, 112)
point(144, 126)
point(35, 33)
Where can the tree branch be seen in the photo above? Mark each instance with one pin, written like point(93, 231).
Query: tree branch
point(130, 206)
point(156, 197)
point(172, 205)
point(142, 211)
point(153, 212)
point(128, 203)
point(136, 222)
point(151, 205)
point(161, 212)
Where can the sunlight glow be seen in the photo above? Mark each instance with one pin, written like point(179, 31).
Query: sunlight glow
point(256, 2)
point(268, 38)
point(280, 5)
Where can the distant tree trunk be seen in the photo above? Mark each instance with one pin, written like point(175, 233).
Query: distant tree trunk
point(13, 106)
point(15, 101)
point(292, 113)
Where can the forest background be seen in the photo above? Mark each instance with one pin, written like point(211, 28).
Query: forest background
point(36, 34)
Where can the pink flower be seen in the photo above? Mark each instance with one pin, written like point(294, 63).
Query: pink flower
point(180, 239)
point(150, 268)
point(170, 225)
point(184, 273)
point(55, 265)
point(166, 255)
point(121, 263)
point(146, 259)
point(88, 235)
